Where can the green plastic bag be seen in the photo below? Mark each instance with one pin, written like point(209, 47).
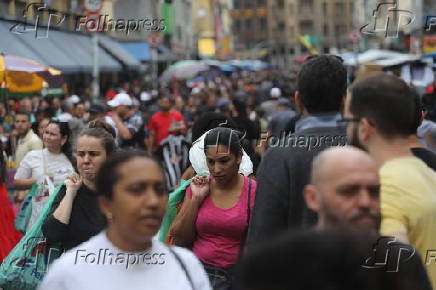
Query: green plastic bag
point(175, 198)
point(25, 266)
point(25, 211)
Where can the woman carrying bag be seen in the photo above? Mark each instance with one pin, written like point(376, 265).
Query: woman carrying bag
point(76, 216)
point(215, 215)
point(48, 168)
point(70, 216)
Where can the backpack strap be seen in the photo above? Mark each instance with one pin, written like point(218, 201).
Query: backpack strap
point(183, 266)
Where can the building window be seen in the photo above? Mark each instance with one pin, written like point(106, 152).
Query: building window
point(339, 9)
point(248, 24)
point(248, 4)
point(281, 26)
point(4, 4)
point(19, 8)
point(337, 31)
point(324, 9)
point(326, 30)
point(179, 33)
point(307, 5)
point(236, 4)
point(307, 28)
point(291, 51)
point(281, 4)
point(261, 3)
point(262, 24)
point(237, 25)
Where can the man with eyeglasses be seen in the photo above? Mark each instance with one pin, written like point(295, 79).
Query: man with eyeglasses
point(285, 169)
point(380, 112)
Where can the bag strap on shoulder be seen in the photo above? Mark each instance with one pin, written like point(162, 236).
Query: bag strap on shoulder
point(249, 203)
point(183, 266)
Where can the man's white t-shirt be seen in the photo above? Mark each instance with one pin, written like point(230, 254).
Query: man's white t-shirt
point(98, 264)
point(32, 166)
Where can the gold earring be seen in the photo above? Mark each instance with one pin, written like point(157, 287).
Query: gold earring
point(109, 216)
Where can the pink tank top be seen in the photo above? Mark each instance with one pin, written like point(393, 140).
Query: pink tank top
point(220, 232)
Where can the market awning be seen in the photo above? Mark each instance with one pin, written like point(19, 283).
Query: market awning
point(80, 47)
point(117, 51)
point(69, 52)
point(47, 50)
point(140, 50)
point(10, 44)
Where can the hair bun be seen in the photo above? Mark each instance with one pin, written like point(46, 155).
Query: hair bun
point(102, 125)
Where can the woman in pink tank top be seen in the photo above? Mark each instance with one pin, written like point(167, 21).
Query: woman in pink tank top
point(214, 219)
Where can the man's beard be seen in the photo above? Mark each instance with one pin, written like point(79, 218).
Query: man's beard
point(353, 140)
point(333, 221)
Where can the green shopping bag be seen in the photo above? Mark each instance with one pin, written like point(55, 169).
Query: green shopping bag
point(25, 211)
point(25, 266)
point(175, 198)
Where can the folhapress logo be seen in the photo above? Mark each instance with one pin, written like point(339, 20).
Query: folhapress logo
point(390, 22)
point(388, 254)
point(430, 23)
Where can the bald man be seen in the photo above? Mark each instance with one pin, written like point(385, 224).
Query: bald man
point(345, 190)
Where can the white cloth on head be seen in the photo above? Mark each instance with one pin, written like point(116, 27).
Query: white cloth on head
point(198, 158)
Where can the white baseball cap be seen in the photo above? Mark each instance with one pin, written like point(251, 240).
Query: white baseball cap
point(75, 99)
point(195, 91)
point(275, 93)
point(121, 99)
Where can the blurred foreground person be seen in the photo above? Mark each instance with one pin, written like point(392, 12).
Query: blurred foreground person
point(133, 198)
point(379, 112)
point(317, 261)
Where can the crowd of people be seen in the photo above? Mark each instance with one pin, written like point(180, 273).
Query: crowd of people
point(274, 178)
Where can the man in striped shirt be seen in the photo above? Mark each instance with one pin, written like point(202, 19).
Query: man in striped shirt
point(174, 153)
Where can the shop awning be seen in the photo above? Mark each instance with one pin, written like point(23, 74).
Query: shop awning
point(10, 44)
point(140, 50)
point(117, 51)
point(80, 48)
point(67, 51)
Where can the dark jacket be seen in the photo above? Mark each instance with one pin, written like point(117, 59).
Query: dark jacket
point(85, 222)
point(426, 156)
point(282, 176)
